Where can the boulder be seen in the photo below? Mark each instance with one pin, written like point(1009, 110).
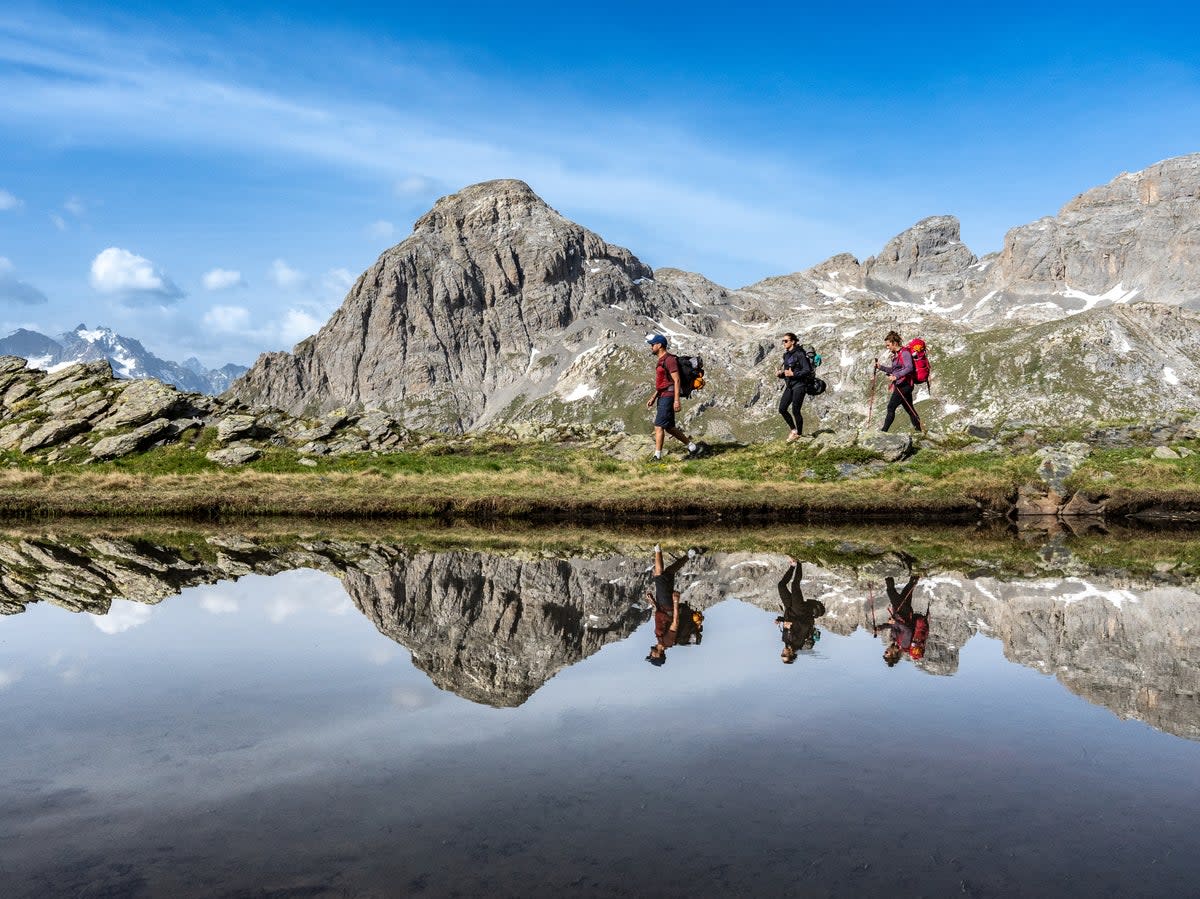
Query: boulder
point(1079, 505)
point(1032, 500)
point(236, 427)
point(11, 435)
point(141, 402)
point(75, 377)
point(1165, 452)
point(234, 454)
point(1059, 463)
point(53, 433)
point(124, 444)
point(893, 447)
point(18, 392)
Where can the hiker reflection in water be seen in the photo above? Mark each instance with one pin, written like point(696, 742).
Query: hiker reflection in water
point(798, 623)
point(910, 629)
point(665, 598)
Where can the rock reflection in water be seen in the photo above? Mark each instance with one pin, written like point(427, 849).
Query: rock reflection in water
point(494, 628)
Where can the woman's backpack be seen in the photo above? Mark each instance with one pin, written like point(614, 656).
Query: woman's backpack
point(920, 360)
point(815, 387)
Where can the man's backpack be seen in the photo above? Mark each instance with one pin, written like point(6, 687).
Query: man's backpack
point(920, 360)
point(691, 374)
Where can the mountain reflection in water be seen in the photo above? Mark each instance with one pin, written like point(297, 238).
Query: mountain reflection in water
point(494, 627)
point(258, 735)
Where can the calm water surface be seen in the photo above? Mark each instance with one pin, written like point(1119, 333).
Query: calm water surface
point(375, 720)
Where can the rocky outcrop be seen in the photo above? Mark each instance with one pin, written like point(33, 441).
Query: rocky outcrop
point(441, 325)
point(82, 413)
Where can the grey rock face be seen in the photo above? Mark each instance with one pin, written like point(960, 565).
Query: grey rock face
point(449, 318)
point(140, 402)
point(53, 433)
point(929, 259)
point(893, 447)
point(235, 427)
point(124, 444)
point(235, 454)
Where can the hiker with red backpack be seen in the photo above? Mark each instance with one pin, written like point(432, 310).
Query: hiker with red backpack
point(903, 374)
point(910, 629)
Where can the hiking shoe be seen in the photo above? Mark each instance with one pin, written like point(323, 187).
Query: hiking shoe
point(794, 435)
point(699, 451)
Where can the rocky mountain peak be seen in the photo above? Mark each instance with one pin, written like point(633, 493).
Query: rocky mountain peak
point(486, 203)
point(1172, 180)
point(448, 319)
point(928, 258)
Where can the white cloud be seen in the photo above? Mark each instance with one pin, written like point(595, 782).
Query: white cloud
point(219, 605)
point(59, 222)
point(381, 229)
point(298, 324)
point(15, 291)
point(413, 184)
point(75, 206)
point(283, 275)
point(667, 180)
point(118, 271)
point(222, 279)
point(8, 678)
point(8, 201)
point(123, 615)
point(228, 319)
point(339, 280)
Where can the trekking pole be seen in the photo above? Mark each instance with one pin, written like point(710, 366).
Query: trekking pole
point(908, 405)
point(871, 402)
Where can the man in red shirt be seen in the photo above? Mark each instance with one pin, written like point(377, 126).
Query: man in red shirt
point(666, 396)
point(666, 605)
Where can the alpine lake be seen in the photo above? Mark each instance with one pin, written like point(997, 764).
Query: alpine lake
point(286, 709)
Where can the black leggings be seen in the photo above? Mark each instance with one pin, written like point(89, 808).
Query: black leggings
point(793, 399)
point(902, 396)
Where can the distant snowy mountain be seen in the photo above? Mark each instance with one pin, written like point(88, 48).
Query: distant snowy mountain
point(129, 359)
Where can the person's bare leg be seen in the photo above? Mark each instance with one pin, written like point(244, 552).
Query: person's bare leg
point(678, 435)
point(658, 439)
point(658, 562)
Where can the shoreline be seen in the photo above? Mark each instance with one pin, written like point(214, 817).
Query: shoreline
point(555, 498)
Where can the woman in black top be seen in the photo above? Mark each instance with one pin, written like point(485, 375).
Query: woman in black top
point(796, 372)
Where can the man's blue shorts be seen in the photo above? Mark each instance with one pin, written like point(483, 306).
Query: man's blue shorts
point(666, 411)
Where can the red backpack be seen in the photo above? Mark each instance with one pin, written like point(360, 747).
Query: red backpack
point(920, 361)
point(920, 635)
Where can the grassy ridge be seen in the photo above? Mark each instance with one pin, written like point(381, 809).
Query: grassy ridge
point(480, 478)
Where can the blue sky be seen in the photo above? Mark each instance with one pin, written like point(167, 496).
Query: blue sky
point(211, 180)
